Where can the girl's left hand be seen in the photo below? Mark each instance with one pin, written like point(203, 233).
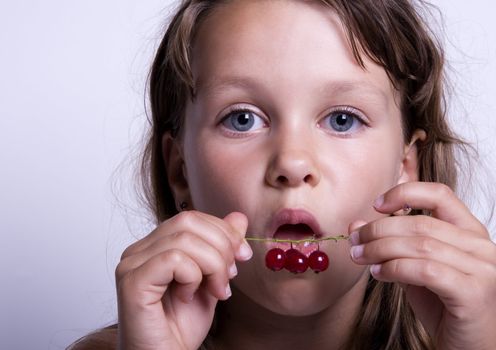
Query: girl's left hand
point(445, 261)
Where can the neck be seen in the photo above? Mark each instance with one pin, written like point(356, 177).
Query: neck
point(243, 324)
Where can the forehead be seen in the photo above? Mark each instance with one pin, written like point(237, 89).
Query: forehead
point(281, 44)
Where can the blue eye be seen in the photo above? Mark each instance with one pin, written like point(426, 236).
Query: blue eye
point(342, 121)
point(243, 121)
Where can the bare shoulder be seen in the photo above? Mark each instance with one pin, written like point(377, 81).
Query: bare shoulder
point(102, 339)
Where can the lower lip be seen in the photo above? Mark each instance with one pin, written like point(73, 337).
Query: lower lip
point(305, 247)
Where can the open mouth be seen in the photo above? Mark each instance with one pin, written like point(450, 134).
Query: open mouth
point(294, 224)
point(294, 231)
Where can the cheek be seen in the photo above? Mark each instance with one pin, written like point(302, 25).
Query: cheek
point(358, 176)
point(371, 168)
point(222, 179)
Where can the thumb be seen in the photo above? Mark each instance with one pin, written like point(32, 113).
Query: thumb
point(239, 222)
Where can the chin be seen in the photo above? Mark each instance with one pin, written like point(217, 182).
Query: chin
point(297, 308)
point(294, 296)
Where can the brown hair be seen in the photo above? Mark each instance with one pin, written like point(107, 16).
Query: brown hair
point(393, 34)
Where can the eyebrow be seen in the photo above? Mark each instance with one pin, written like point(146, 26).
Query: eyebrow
point(217, 85)
point(341, 87)
point(347, 86)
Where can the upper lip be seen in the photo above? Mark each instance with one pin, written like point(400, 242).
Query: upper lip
point(293, 217)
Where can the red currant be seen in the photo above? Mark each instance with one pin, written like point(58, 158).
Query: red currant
point(318, 261)
point(296, 261)
point(275, 258)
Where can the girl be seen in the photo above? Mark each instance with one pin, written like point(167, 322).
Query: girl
point(281, 121)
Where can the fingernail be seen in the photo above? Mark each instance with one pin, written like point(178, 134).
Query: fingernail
point(228, 291)
point(379, 201)
point(356, 251)
point(354, 238)
point(233, 271)
point(375, 269)
point(245, 251)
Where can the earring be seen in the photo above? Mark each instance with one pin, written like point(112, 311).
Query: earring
point(183, 205)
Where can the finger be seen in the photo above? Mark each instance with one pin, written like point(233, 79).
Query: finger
point(421, 225)
point(223, 235)
point(184, 221)
point(438, 198)
point(192, 244)
point(192, 221)
point(147, 284)
point(234, 225)
point(392, 248)
point(210, 261)
point(240, 222)
point(353, 231)
point(441, 279)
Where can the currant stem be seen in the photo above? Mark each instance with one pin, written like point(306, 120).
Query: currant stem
point(297, 241)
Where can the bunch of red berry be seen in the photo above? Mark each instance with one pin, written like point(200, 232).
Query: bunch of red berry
point(295, 261)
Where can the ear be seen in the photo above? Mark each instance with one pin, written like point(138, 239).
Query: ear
point(409, 165)
point(172, 154)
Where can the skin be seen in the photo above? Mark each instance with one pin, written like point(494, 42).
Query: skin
point(256, 55)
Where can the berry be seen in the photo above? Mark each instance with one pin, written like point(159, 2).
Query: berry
point(275, 258)
point(318, 261)
point(296, 261)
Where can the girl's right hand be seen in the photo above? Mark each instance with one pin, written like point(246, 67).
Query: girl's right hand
point(169, 282)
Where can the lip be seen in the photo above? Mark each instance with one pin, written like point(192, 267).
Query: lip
point(294, 217)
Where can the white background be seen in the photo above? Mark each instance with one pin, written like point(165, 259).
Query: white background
point(72, 78)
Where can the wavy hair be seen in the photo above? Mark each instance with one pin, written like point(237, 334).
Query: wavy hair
point(392, 33)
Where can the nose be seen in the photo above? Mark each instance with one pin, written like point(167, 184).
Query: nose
point(292, 168)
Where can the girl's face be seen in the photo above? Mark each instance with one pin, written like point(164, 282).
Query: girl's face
point(285, 118)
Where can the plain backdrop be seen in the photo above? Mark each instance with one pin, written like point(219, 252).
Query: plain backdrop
point(72, 80)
